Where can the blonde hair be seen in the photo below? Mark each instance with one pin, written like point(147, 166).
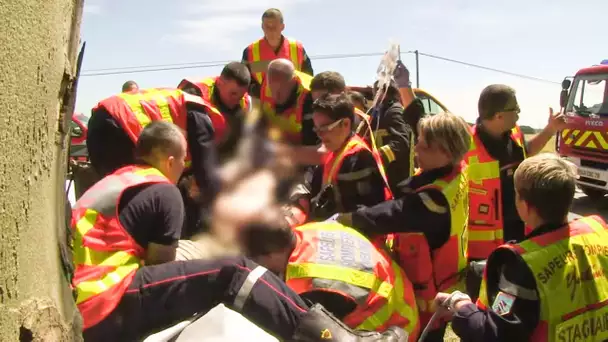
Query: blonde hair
point(447, 131)
point(547, 183)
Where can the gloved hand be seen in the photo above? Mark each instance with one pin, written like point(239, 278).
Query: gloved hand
point(402, 76)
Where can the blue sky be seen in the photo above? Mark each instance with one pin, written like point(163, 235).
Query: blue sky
point(540, 38)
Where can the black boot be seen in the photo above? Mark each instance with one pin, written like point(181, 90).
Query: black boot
point(320, 325)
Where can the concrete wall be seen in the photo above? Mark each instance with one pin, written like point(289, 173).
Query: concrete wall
point(38, 48)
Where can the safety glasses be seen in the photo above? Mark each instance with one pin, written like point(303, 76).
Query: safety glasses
point(327, 128)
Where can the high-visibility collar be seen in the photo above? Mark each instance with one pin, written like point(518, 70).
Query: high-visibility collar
point(568, 263)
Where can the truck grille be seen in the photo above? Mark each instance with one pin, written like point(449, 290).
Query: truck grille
point(594, 164)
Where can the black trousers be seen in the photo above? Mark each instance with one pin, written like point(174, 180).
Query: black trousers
point(163, 295)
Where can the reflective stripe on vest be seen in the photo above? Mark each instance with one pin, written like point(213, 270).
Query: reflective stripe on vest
point(569, 267)
point(485, 197)
point(332, 257)
point(289, 122)
point(334, 162)
point(261, 51)
point(105, 255)
point(440, 270)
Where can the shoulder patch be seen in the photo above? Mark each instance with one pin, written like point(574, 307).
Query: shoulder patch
point(503, 303)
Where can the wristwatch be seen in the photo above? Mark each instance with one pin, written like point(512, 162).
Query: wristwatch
point(454, 298)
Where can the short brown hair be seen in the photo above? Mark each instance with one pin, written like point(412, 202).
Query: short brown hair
point(159, 138)
point(238, 72)
point(273, 13)
point(496, 98)
point(329, 81)
point(336, 107)
point(547, 183)
point(128, 86)
point(449, 132)
point(262, 238)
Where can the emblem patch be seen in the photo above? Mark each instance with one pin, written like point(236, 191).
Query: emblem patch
point(503, 303)
point(326, 335)
point(483, 208)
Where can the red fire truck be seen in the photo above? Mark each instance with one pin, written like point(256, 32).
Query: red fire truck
point(585, 142)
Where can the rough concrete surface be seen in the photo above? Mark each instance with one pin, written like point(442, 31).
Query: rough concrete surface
point(38, 49)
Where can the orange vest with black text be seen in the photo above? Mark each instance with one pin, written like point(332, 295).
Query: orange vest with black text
point(440, 270)
point(570, 268)
point(261, 52)
point(288, 122)
point(135, 110)
point(335, 258)
point(485, 197)
point(106, 257)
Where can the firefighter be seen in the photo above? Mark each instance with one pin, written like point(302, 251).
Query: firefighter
point(228, 94)
point(497, 148)
point(352, 174)
point(125, 229)
point(286, 102)
point(551, 286)
point(272, 46)
point(428, 215)
point(337, 267)
point(393, 136)
point(115, 125)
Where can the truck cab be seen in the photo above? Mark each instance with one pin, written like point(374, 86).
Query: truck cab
point(585, 141)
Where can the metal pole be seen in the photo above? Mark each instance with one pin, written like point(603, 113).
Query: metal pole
point(417, 69)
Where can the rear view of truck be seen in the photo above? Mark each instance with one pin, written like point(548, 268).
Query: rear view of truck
point(585, 141)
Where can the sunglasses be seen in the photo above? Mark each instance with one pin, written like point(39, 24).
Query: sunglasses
point(327, 128)
point(516, 110)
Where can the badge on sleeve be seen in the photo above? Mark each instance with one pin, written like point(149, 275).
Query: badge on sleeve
point(503, 303)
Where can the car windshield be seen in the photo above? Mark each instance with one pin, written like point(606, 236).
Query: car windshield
point(589, 96)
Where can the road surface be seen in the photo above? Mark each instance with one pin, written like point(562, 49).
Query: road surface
point(583, 206)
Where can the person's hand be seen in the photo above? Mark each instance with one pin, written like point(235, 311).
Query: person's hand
point(557, 121)
point(302, 155)
point(441, 305)
point(250, 199)
point(401, 75)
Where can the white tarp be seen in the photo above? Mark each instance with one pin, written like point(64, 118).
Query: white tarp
point(219, 324)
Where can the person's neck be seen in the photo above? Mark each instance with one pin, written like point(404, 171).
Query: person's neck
point(274, 43)
point(343, 145)
point(537, 222)
point(492, 130)
point(440, 166)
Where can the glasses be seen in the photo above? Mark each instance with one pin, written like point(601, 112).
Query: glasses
point(515, 110)
point(327, 128)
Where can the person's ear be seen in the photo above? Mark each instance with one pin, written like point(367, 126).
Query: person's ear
point(282, 27)
point(171, 162)
point(522, 207)
point(348, 124)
